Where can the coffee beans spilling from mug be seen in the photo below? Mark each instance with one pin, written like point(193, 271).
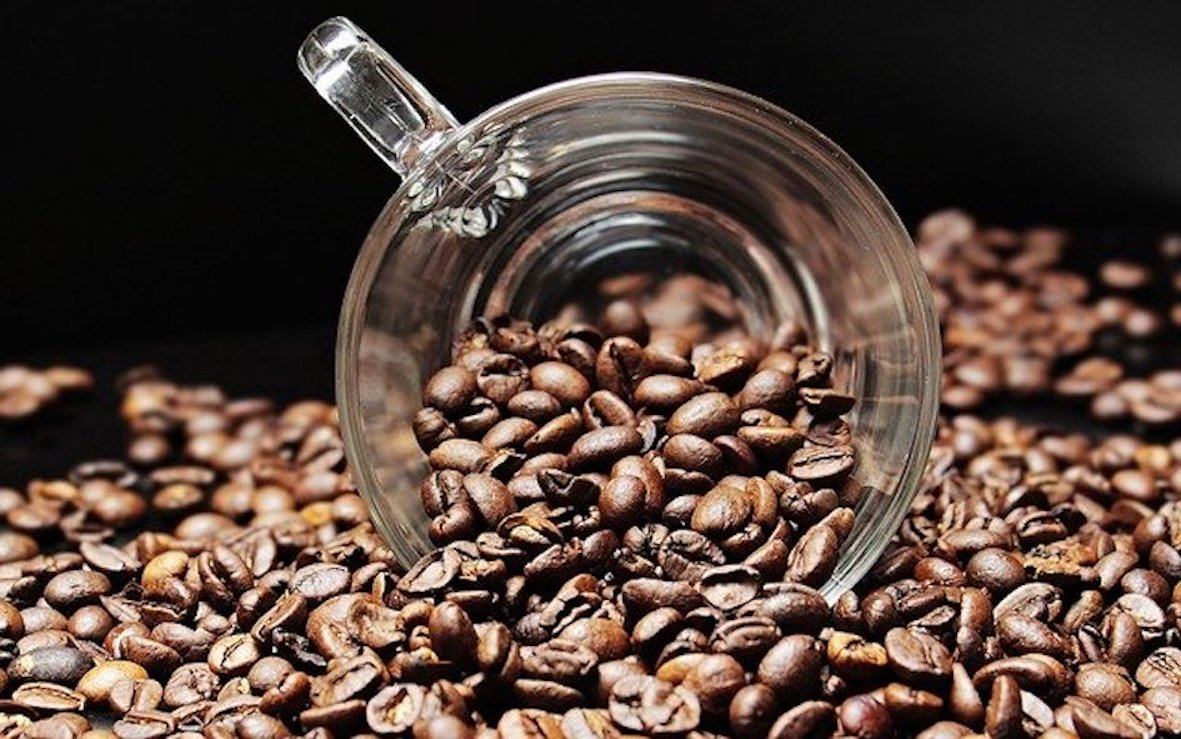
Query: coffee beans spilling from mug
point(632, 506)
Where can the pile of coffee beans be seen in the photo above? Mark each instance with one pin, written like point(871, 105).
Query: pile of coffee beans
point(632, 506)
point(25, 391)
point(1015, 318)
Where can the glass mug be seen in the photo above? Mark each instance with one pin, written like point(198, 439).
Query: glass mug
point(517, 209)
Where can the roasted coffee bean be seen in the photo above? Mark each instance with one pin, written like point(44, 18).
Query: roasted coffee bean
point(157, 658)
point(452, 634)
point(707, 415)
point(752, 710)
point(722, 511)
point(288, 697)
point(917, 656)
point(808, 720)
point(144, 725)
point(819, 463)
point(996, 569)
point(621, 364)
point(796, 609)
point(854, 658)
point(622, 501)
point(135, 695)
point(649, 705)
point(666, 392)
point(71, 590)
point(1021, 634)
point(558, 660)
point(605, 637)
point(1104, 684)
point(191, 683)
point(64, 665)
point(865, 716)
point(729, 587)
point(600, 448)
point(715, 680)
point(561, 381)
point(42, 696)
point(95, 686)
point(604, 408)
point(352, 678)
point(450, 389)
point(793, 664)
point(233, 655)
point(396, 708)
point(1002, 718)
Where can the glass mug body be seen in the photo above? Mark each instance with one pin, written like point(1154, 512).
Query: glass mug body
point(522, 207)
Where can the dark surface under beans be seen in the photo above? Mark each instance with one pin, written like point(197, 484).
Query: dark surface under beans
point(632, 511)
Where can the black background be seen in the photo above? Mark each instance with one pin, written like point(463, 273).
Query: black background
point(169, 178)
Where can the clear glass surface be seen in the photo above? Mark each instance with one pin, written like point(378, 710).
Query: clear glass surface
point(520, 208)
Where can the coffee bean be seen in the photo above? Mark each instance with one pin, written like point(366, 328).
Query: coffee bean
point(620, 365)
point(722, 511)
point(917, 656)
point(820, 463)
point(707, 415)
point(463, 455)
point(1161, 669)
point(353, 678)
point(796, 609)
point(666, 392)
point(604, 408)
point(1104, 684)
point(450, 389)
point(647, 594)
point(600, 448)
point(396, 708)
point(854, 658)
point(15, 547)
point(144, 725)
point(1021, 634)
point(865, 716)
point(42, 696)
point(621, 501)
point(1003, 715)
point(995, 569)
point(190, 683)
point(729, 587)
point(649, 705)
point(605, 637)
point(135, 695)
point(558, 660)
point(808, 720)
point(288, 697)
point(715, 680)
point(233, 655)
point(76, 588)
point(793, 664)
point(752, 710)
point(561, 381)
point(96, 684)
point(65, 665)
point(320, 581)
point(158, 659)
point(452, 633)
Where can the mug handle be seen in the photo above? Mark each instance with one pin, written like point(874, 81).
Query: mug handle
point(383, 103)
